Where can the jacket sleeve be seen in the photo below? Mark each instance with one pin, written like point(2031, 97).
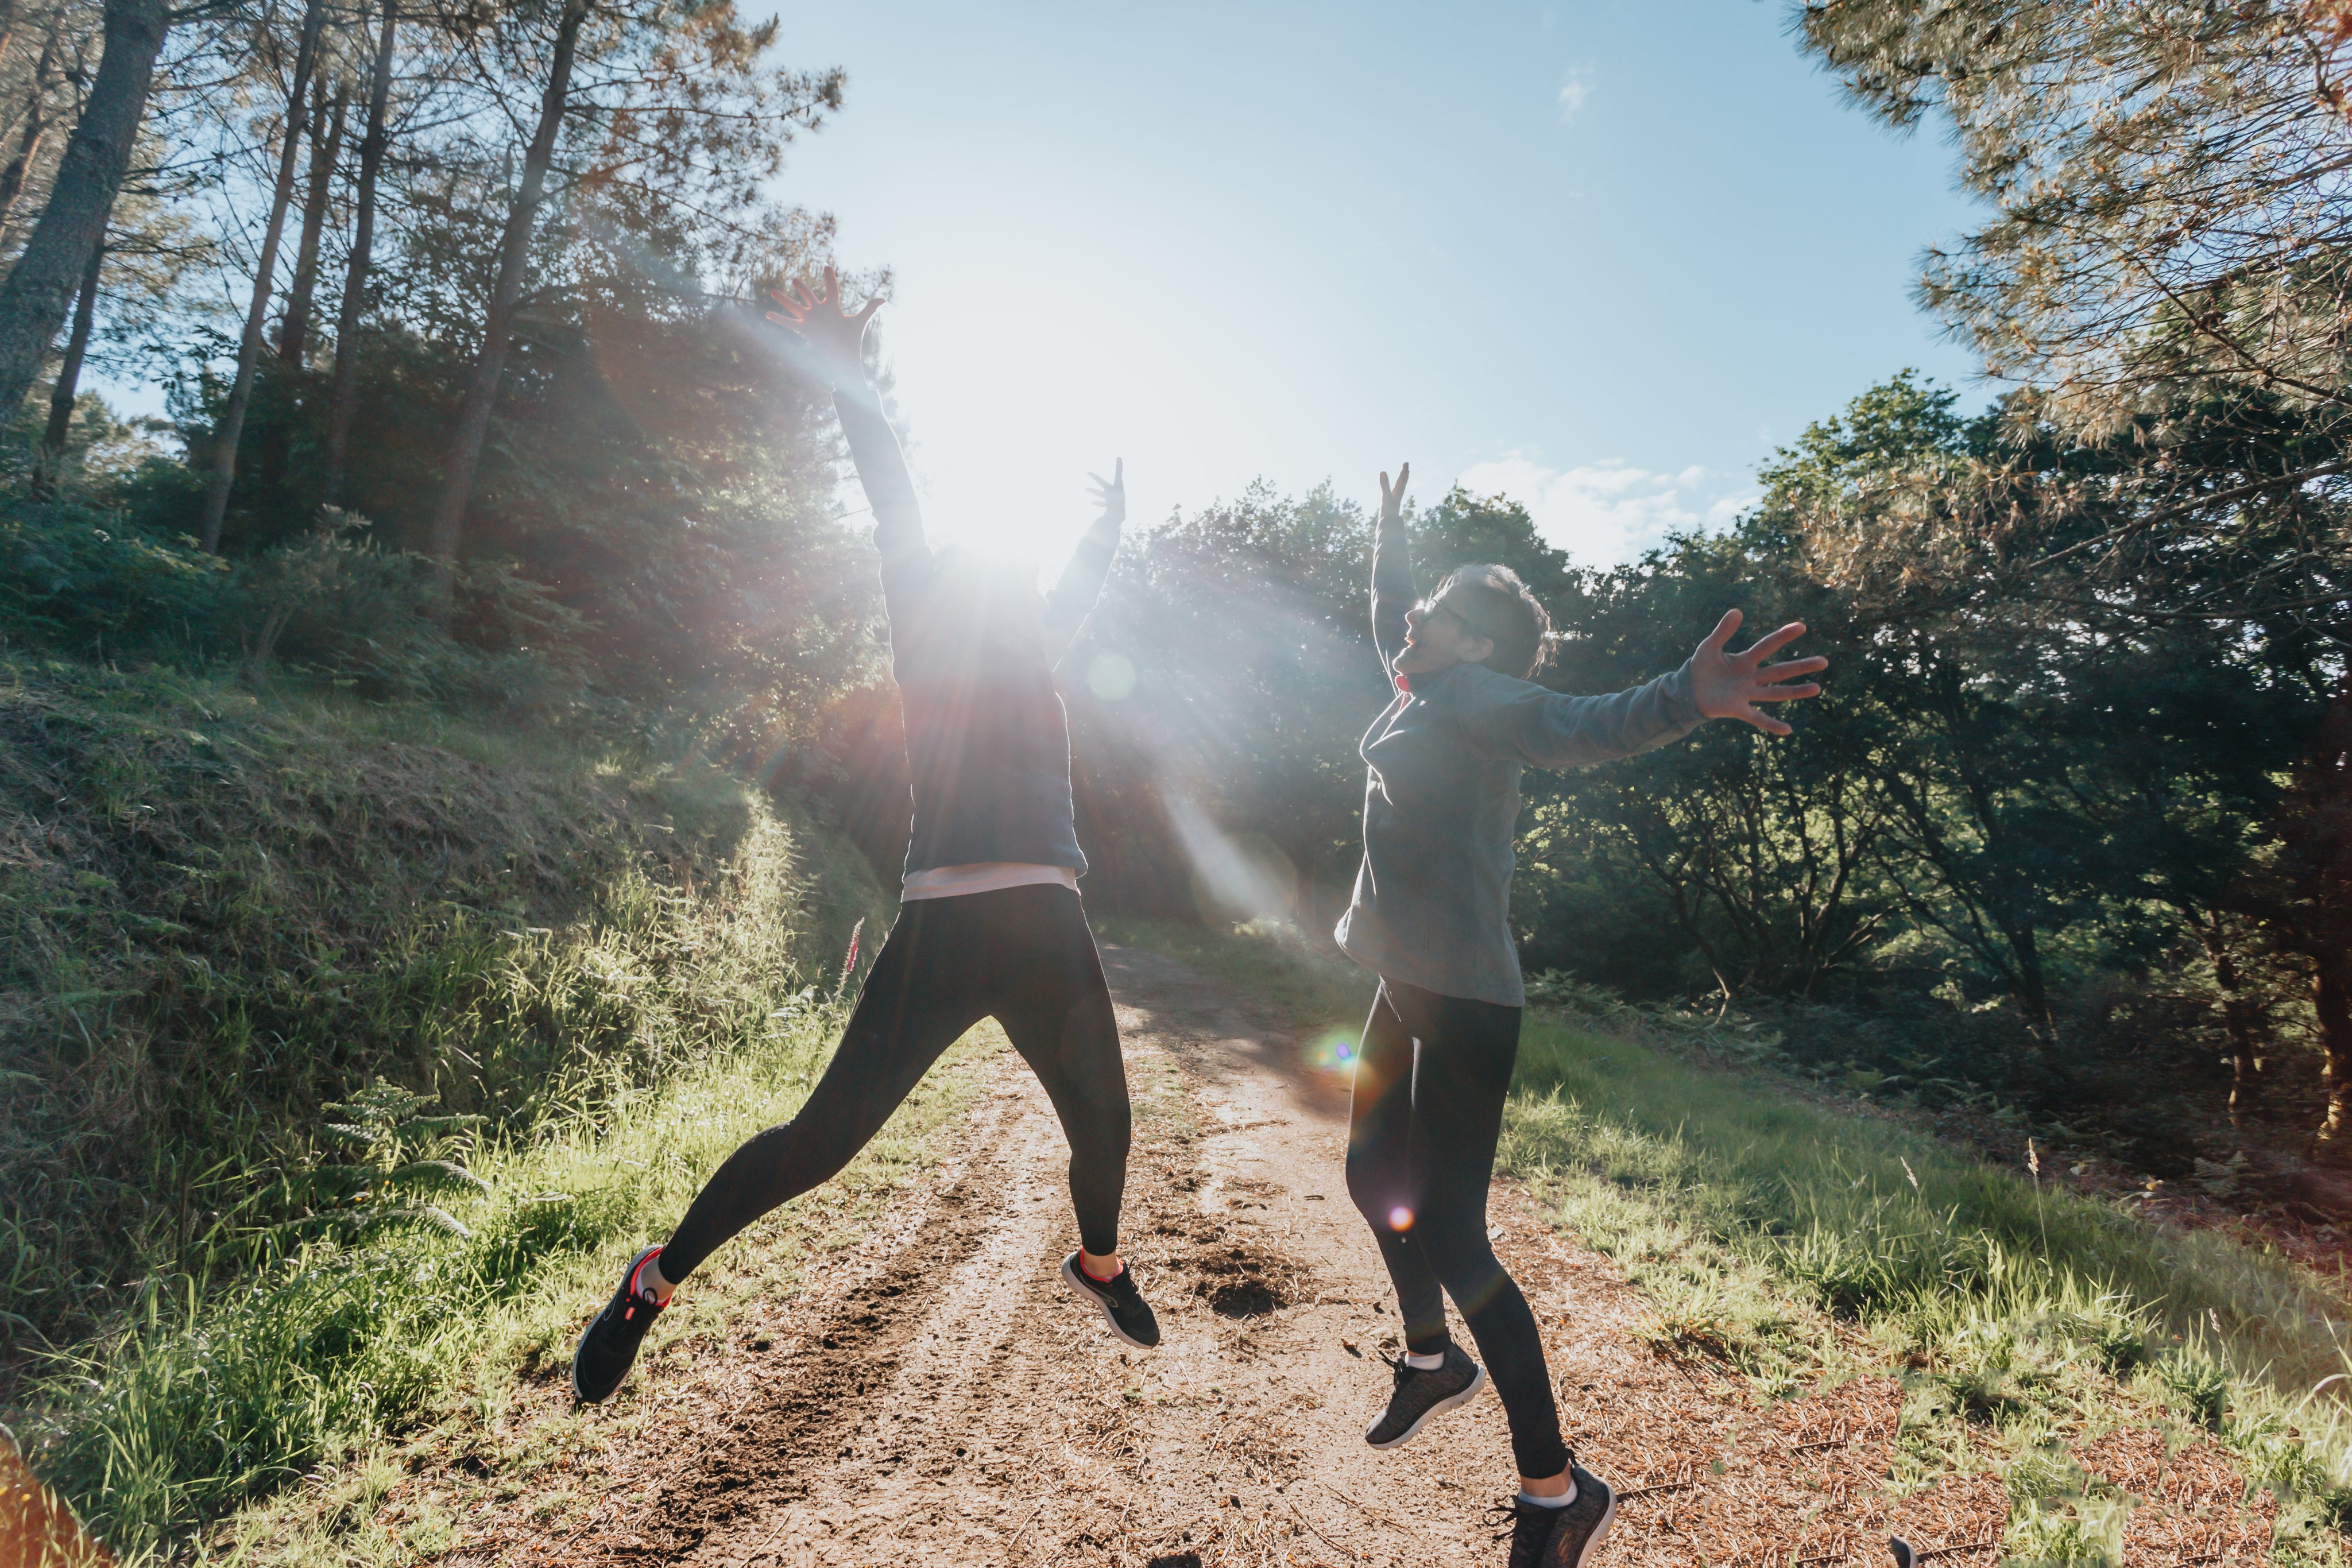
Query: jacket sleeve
point(1073, 595)
point(882, 470)
point(1544, 728)
point(1393, 588)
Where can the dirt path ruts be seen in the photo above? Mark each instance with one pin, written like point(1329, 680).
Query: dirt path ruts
point(959, 1409)
point(940, 1400)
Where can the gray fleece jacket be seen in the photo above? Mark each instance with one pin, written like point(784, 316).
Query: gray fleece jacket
point(1433, 898)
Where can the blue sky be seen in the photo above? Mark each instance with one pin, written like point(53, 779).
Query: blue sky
point(1601, 256)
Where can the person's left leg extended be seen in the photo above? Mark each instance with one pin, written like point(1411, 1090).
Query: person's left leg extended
point(922, 994)
point(1057, 1009)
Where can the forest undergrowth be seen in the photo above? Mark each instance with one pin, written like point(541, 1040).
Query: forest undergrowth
point(1794, 1242)
point(342, 1043)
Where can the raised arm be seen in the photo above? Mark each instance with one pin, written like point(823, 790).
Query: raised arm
point(1546, 729)
point(1392, 585)
point(1081, 581)
point(837, 342)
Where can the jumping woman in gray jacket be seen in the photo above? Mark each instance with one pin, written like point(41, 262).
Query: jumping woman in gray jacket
point(1431, 917)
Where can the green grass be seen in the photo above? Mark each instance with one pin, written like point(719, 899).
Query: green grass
point(226, 914)
point(204, 1404)
point(1756, 1217)
point(222, 909)
point(2027, 1316)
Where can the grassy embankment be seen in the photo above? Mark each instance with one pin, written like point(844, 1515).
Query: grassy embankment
point(345, 1048)
point(1755, 1216)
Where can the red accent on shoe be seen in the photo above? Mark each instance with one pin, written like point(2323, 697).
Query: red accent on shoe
point(636, 1295)
point(1099, 1279)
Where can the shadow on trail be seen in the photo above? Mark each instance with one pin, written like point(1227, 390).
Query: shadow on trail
point(1221, 1034)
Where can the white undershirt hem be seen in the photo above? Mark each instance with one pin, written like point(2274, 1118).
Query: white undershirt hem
point(987, 877)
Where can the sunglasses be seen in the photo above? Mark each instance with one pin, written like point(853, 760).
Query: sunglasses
point(1429, 607)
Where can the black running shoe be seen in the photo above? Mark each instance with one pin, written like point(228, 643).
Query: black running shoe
point(608, 1347)
point(1419, 1395)
point(1559, 1537)
point(1905, 1555)
point(1123, 1306)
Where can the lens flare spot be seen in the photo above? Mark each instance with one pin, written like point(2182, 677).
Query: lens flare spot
point(1334, 1052)
point(1400, 1218)
point(1111, 676)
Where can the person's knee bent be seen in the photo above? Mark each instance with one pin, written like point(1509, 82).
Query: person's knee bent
point(1118, 1124)
point(1098, 1125)
point(781, 1162)
point(1464, 1264)
point(1377, 1193)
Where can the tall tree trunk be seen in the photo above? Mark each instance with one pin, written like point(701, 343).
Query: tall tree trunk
point(326, 148)
point(231, 428)
point(33, 129)
point(7, 29)
point(2026, 981)
point(2331, 998)
point(61, 400)
point(294, 328)
point(41, 286)
point(2310, 912)
point(344, 400)
point(2240, 1019)
point(514, 245)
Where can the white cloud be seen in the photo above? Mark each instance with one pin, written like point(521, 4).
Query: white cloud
point(1574, 89)
point(1725, 509)
point(1609, 512)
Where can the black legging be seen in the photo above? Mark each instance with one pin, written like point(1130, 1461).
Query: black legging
point(1021, 955)
point(1430, 1083)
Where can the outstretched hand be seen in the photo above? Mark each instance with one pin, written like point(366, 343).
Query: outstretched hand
point(1730, 685)
point(839, 337)
point(1392, 501)
point(1110, 494)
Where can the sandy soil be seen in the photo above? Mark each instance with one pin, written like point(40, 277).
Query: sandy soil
point(939, 1399)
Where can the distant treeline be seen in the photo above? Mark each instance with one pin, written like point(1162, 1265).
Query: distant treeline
point(2031, 839)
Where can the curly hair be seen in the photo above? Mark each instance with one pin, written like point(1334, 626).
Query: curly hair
point(1494, 603)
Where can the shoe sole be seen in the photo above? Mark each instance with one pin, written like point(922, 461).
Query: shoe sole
point(1477, 1382)
point(1070, 1277)
point(579, 1393)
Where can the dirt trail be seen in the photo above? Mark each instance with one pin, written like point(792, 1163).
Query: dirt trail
point(940, 1400)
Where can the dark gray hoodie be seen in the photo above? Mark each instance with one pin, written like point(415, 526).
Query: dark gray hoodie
point(973, 651)
point(1432, 899)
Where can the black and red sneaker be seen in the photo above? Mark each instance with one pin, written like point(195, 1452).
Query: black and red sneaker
point(608, 1347)
point(1123, 1306)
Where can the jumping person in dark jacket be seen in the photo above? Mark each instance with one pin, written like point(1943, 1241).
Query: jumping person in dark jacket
point(989, 923)
point(1431, 917)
